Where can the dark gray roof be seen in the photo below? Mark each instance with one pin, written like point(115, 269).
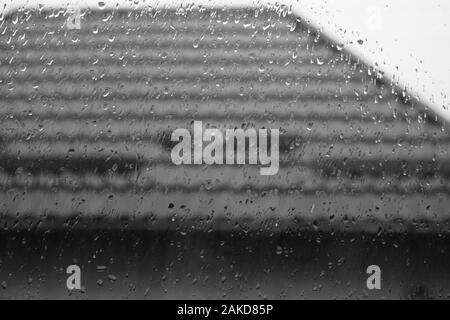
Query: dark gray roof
point(86, 117)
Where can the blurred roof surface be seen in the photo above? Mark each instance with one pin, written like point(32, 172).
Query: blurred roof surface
point(86, 117)
point(405, 40)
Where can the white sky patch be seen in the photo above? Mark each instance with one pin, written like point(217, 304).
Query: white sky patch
point(408, 40)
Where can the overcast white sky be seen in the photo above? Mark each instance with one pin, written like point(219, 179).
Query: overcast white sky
point(407, 39)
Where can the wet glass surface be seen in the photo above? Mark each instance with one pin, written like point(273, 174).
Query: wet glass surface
point(89, 100)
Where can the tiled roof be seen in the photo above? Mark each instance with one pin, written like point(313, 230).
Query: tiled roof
point(86, 117)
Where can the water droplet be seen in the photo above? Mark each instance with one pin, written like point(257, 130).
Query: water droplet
point(112, 278)
point(196, 43)
point(101, 268)
point(101, 5)
point(279, 250)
